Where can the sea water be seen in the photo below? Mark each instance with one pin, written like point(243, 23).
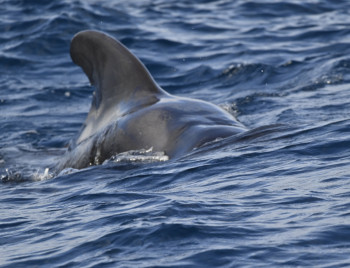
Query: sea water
point(276, 196)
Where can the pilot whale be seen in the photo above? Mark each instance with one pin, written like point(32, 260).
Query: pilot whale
point(129, 111)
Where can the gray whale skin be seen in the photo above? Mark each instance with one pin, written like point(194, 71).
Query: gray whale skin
point(129, 111)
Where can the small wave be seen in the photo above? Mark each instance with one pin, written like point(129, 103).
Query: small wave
point(67, 171)
point(279, 9)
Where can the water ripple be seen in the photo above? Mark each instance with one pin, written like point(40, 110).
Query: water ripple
point(274, 196)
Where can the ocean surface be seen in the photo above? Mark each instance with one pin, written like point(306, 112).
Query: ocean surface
point(275, 196)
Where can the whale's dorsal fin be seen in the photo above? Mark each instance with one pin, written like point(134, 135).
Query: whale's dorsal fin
point(122, 82)
point(115, 72)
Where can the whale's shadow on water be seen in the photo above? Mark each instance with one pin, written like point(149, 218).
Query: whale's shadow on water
point(132, 119)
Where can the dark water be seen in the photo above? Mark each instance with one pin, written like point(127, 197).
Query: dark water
point(276, 196)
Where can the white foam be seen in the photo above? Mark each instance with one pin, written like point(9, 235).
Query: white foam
point(143, 156)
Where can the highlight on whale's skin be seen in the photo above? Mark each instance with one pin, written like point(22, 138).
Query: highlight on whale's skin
point(129, 111)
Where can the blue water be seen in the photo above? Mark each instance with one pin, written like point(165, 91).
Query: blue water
point(276, 196)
